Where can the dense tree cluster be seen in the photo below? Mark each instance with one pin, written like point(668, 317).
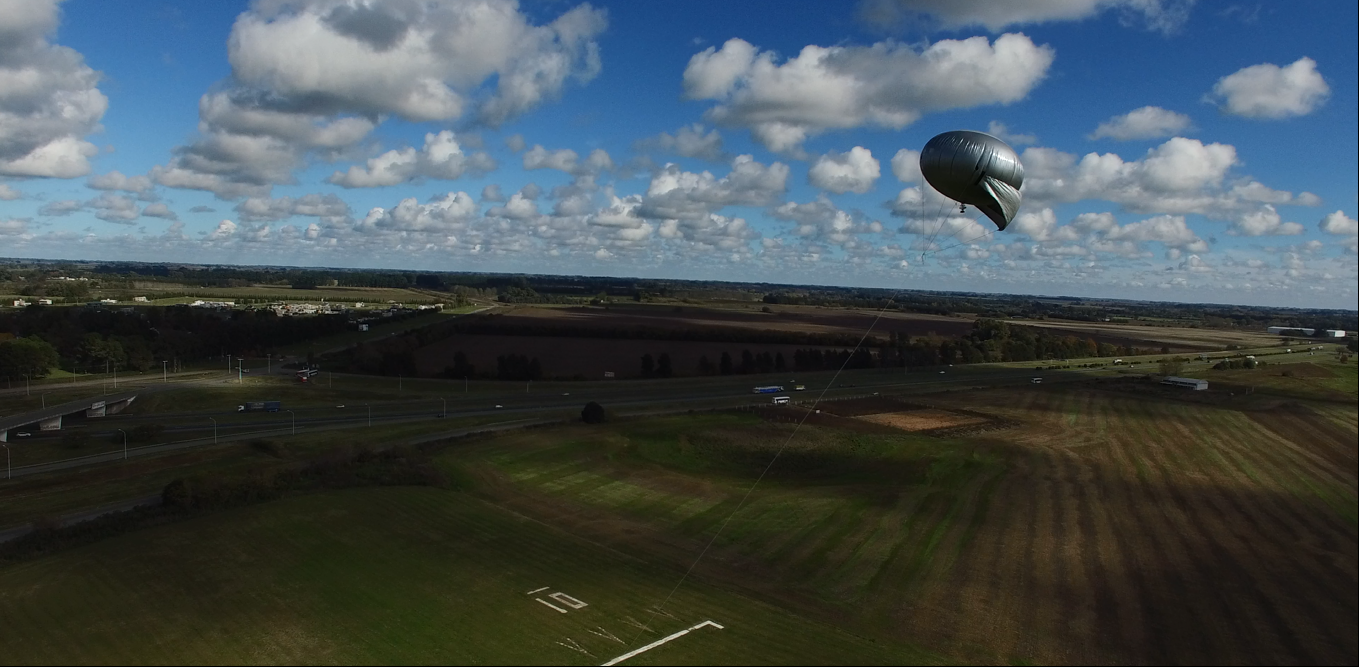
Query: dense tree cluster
point(92, 339)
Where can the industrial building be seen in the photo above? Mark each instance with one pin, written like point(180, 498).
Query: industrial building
point(1187, 383)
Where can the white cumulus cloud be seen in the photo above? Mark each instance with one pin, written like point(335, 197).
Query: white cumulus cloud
point(1145, 123)
point(1161, 15)
point(688, 141)
point(887, 84)
point(1270, 91)
point(441, 157)
point(855, 171)
point(49, 99)
point(316, 76)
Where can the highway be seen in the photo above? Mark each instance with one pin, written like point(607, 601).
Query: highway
point(195, 428)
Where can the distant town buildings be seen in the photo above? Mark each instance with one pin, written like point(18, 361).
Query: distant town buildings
point(221, 305)
point(20, 303)
point(1305, 331)
point(141, 299)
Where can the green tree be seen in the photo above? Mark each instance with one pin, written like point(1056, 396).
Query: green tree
point(663, 367)
point(593, 413)
point(29, 356)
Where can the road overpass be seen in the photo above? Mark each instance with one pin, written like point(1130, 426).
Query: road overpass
point(49, 419)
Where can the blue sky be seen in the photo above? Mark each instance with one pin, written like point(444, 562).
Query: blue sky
point(1173, 150)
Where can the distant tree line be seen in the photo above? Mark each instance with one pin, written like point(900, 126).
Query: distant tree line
point(93, 339)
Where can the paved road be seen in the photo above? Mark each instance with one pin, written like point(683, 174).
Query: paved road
point(650, 397)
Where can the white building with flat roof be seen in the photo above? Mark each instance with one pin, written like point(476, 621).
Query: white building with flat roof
point(1335, 333)
point(1187, 383)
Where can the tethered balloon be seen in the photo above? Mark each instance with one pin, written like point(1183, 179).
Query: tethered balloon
point(975, 168)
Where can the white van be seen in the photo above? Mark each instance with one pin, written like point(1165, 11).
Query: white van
point(1035, 380)
point(780, 400)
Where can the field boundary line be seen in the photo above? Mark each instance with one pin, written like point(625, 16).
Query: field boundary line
point(662, 640)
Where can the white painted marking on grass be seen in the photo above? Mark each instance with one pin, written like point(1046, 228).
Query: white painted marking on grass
point(537, 590)
point(569, 601)
point(604, 633)
point(575, 647)
point(660, 641)
point(559, 609)
point(633, 622)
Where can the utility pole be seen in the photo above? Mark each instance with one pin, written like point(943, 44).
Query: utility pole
point(294, 417)
point(370, 413)
point(240, 371)
point(164, 377)
point(214, 430)
point(26, 394)
point(124, 443)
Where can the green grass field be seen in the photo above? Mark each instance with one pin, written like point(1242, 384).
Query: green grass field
point(1110, 522)
point(392, 576)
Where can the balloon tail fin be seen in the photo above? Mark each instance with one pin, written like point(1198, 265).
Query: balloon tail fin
point(1004, 203)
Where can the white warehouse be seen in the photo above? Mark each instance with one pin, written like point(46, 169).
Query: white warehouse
point(1187, 383)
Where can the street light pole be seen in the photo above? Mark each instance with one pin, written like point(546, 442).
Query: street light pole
point(370, 413)
point(294, 417)
point(124, 443)
point(164, 376)
point(214, 430)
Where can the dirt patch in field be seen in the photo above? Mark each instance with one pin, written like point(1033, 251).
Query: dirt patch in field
point(923, 420)
point(868, 406)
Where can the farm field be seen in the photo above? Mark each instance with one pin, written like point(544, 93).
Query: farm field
point(804, 319)
point(371, 295)
point(397, 575)
point(587, 357)
point(1106, 528)
point(1109, 521)
point(1178, 339)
